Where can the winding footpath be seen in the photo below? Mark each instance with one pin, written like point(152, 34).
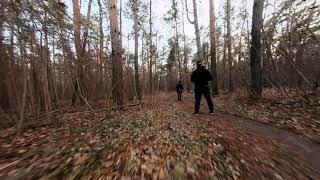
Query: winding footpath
point(309, 150)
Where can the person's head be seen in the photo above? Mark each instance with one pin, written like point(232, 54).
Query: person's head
point(179, 82)
point(199, 64)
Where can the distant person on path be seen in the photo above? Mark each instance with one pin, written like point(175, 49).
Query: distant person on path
point(179, 89)
point(200, 78)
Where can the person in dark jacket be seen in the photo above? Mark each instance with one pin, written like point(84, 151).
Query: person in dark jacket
point(179, 89)
point(200, 78)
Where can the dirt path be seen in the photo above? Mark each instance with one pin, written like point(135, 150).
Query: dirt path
point(309, 151)
point(158, 140)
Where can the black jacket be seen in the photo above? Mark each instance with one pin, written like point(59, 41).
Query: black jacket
point(200, 77)
point(179, 88)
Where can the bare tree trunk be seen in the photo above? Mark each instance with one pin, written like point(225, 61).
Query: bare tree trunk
point(177, 49)
point(10, 80)
point(255, 53)
point(213, 49)
point(156, 75)
point(23, 103)
point(24, 92)
point(136, 49)
point(143, 60)
point(101, 52)
point(223, 80)
point(248, 38)
point(120, 21)
point(54, 75)
point(196, 27)
point(84, 55)
point(150, 51)
point(80, 90)
point(38, 94)
point(231, 87)
point(4, 96)
point(185, 61)
point(86, 29)
point(77, 36)
point(46, 74)
point(116, 56)
point(185, 58)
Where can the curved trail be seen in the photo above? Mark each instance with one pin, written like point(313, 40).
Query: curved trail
point(309, 150)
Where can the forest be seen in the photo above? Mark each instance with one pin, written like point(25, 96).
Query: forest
point(88, 89)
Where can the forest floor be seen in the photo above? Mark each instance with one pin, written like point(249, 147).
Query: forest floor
point(159, 139)
point(297, 113)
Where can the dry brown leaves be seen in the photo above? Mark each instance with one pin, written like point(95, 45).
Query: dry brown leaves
point(300, 114)
point(159, 140)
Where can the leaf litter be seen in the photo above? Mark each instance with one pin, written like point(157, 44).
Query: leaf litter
point(297, 113)
point(159, 140)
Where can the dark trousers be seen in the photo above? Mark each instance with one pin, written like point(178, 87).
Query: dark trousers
point(179, 96)
point(198, 94)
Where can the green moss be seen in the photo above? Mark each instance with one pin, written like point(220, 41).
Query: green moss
point(178, 172)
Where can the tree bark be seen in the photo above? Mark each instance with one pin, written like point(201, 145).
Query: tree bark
point(150, 50)
point(78, 46)
point(116, 55)
point(231, 87)
point(4, 96)
point(255, 51)
point(120, 18)
point(86, 29)
point(136, 49)
point(48, 85)
point(23, 97)
point(197, 31)
point(177, 39)
point(196, 28)
point(213, 49)
point(185, 58)
point(224, 59)
point(101, 40)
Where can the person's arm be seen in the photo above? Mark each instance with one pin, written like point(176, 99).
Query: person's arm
point(193, 77)
point(209, 76)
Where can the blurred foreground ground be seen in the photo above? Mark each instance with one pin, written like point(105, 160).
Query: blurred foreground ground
point(294, 112)
point(160, 140)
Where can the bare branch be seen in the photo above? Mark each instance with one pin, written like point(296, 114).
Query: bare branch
point(192, 22)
